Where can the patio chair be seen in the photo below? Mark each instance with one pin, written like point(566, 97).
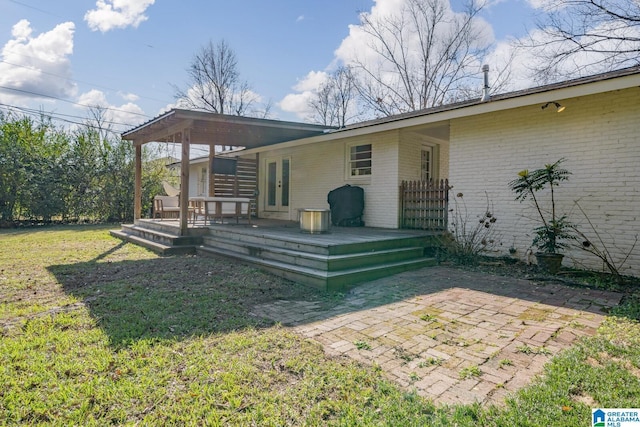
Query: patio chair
point(166, 207)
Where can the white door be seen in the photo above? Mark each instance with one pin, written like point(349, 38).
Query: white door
point(278, 185)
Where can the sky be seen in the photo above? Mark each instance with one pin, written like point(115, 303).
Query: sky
point(128, 55)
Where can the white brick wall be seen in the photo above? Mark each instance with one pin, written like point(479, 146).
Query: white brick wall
point(410, 148)
point(600, 138)
point(317, 169)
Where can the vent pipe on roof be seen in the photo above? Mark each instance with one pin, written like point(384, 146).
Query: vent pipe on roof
point(485, 91)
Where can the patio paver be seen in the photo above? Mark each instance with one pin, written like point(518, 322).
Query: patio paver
point(424, 327)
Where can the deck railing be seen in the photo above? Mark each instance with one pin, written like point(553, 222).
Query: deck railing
point(425, 204)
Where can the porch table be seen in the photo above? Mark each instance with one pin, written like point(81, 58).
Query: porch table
point(221, 207)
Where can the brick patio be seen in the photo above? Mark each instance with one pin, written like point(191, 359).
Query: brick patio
point(427, 328)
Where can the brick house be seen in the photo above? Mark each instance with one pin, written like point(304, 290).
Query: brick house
point(479, 145)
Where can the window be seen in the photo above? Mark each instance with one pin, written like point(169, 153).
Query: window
point(271, 183)
point(428, 163)
point(284, 195)
point(360, 160)
point(203, 181)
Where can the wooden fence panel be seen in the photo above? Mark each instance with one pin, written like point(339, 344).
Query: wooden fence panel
point(425, 204)
point(242, 184)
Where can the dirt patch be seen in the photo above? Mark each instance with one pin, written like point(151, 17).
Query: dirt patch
point(587, 400)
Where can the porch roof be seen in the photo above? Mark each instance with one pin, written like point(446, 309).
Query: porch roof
point(219, 129)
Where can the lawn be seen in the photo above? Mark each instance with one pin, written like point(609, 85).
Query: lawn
point(95, 331)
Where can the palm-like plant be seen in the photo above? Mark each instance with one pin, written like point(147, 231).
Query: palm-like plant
point(549, 237)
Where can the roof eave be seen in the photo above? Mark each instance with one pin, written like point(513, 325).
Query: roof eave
point(176, 121)
point(541, 95)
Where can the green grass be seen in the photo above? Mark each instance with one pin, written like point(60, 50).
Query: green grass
point(94, 331)
point(428, 317)
point(470, 372)
point(532, 350)
point(505, 362)
point(431, 361)
point(362, 345)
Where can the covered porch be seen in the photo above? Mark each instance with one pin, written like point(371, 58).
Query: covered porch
point(336, 260)
point(186, 128)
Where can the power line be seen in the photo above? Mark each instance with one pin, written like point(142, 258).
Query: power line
point(35, 113)
point(72, 102)
point(59, 76)
point(60, 116)
point(36, 8)
point(29, 67)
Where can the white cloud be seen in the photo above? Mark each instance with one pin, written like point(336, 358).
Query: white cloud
point(544, 5)
point(300, 18)
point(357, 48)
point(515, 62)
point(112, 14)
point(21, 31)
point(37, 64)
point(131, 97)
point(511, 68)
point(311, 81)
point(123, 116)
point(298, 103)
point(128, 114)
point(93, 98)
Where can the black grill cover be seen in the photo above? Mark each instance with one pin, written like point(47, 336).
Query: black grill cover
point(347, 206)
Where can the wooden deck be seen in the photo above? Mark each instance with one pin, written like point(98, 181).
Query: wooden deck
point(334, 260)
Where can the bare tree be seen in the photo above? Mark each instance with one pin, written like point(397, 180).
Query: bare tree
point(423, 56)
point(215, 84)
point(334, 104)
point(586, 36)
point(100, 122)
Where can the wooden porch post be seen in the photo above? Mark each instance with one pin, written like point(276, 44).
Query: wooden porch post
point(212, 177)
point(137, 186)
point(184, 183)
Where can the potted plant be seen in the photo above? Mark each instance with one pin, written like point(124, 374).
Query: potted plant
point(554, 230)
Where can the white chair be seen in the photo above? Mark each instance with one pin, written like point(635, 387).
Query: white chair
point(166, 207)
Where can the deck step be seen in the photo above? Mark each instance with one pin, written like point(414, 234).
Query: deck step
point(323, 244)
point(166, 237)
point(333, 261)
point(323, 279)
point(316, 260)
point(160, 239)
point(155, 246)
